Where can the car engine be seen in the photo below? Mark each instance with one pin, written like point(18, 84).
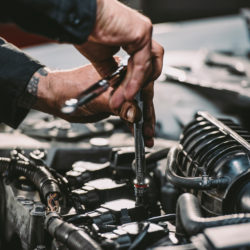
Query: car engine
point(198, 195)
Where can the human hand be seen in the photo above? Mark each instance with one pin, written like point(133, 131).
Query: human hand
point(118, 26)
point(55, 87)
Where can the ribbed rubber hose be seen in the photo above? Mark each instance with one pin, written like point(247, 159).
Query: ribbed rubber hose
point(68, 234)
point(40, 176)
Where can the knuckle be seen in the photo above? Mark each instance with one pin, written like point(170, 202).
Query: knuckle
point(139, 36)
point(142, 67)
point(149, 27)
point(145, 31)
point(148, 23)
point(162, 51)
point(157, 49)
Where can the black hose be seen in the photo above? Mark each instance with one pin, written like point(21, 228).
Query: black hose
point(190, 182)
point(156, 155)
point(189, 220)
point(77, 217)
point(140, 237)
point(40, 176)
point(73, 237)
point(165, 217)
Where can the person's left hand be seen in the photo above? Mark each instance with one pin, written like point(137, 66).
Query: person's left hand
point(59, 86)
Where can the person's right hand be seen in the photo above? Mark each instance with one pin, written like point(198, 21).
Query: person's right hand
point(118, 26)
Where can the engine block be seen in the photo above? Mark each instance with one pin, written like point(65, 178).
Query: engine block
point(199, 192)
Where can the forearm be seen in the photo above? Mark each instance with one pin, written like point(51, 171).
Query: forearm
point(29, 98)
point(16, 70)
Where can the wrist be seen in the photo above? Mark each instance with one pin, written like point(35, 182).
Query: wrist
point(44, 91)
point(30, 96)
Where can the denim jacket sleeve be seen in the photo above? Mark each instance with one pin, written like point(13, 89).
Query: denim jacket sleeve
point(69, 21)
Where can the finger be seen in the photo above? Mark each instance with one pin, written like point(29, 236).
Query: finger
point(118, 97)
point(149, 130)
point(100, 55)
point(105, 68)
point(130, 126)
point(149, 115)
point(137, 74)
point(157, 57)
point(130, 112)
point(97, 52)
point(90, 119)
point(140, 70)
point(83, 119)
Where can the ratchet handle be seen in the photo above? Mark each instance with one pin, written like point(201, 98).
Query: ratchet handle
point(94, 91)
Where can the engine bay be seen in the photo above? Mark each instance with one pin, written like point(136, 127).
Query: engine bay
point(84, 198)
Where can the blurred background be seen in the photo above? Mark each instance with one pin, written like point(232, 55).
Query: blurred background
point(158, 10)
point(176, 10)
point(204, 40)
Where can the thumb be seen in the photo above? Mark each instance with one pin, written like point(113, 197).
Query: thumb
point(129, 112)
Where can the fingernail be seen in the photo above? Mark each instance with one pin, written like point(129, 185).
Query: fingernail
point(130, 115)
point(149, 142)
